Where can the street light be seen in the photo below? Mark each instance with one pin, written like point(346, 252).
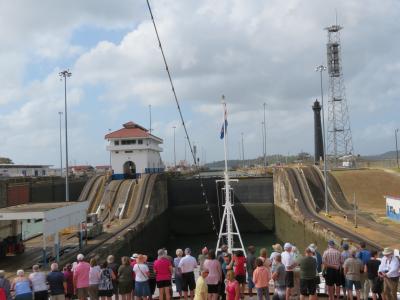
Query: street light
point(242, 150)
point(320, 69)
point(174, 127)
point(265, 137)
point(396, 131)
point(61, 164)
point(63, 75)
point(109, 131)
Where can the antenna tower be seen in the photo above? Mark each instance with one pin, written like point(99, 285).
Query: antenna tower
point(229, 228)
point(339, 133)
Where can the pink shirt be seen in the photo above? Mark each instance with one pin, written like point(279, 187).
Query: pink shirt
point(231, 289)
point(162, 269)
point(261, 277)
point(214, 269)
point(81, 275)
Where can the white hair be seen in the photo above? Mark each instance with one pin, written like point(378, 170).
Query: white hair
point(80, 257)
point(20, 272)
point(54, 267)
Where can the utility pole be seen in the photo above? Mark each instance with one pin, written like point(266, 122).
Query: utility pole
point(63, 75)
point(150, 117)
point(320, 69)
point(265, 137)
point(396, 131)
point(174, 127)
point(242, 150)
point(355, 210)
point(61, 164)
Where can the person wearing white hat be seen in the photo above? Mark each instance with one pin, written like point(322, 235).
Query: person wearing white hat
point(389, 271)
point(81, 278)
point(289, 262)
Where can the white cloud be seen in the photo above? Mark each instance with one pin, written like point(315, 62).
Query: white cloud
point(253, 52)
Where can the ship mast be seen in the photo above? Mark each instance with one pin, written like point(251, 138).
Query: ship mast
point(229, 228)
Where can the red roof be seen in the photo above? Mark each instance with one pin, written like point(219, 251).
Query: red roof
point(130, 130)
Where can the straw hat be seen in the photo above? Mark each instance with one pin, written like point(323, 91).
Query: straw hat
point(387, 251)
point(277, 247)
point(141, 258)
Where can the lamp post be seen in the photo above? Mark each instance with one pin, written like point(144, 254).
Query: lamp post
point(265, 137)
point(320, 69)
point(174, 127)
point(150, 117)
point(242, 150)
point(63, 75)
point(61, 164)
point(109, 131)
point(396, 131)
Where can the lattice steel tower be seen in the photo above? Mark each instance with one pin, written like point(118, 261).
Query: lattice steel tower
point(339, 140)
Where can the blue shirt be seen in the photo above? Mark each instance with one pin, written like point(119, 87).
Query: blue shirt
point(22, 287)
point(364, 256)
point(56, 283)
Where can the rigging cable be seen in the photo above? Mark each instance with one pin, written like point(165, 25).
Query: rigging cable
point(182, 120)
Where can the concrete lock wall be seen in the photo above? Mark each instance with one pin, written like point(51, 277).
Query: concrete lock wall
point(188, 214)
point(15, 191)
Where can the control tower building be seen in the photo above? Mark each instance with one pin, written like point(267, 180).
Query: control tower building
point(134, 151)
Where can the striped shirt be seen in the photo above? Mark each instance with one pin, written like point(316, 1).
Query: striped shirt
point(331, 258)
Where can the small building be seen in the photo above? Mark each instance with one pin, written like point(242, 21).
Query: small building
point(134, 151)
point(82, 170)
point(393, 208)
point(11, 170)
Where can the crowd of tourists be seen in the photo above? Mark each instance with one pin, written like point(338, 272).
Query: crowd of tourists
point(285, 273)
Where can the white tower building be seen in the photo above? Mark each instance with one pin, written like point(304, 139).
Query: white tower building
point(133, 150)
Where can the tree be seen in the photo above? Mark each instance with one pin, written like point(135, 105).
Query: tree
point(5, 160)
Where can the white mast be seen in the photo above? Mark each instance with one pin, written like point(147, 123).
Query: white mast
point(228, 222)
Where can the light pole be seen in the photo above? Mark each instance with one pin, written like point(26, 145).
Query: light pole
point(63, 75)
point(61, 164)
point(265, 137)
point(150, 117)
point(109, 131)
point(396, 131)
point(320, 69)
point(174, 127)
point(263, 144)
point(242, 150)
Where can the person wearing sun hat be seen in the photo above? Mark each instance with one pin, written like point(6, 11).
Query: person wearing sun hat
point(331, 263)
point(277, 250)
point(389, 271)
point(142, 288)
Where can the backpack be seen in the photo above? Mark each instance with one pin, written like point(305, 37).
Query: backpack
point(105, 283)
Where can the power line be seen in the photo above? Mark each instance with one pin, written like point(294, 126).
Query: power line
point(181, 116)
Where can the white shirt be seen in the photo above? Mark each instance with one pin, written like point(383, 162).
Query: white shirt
point(288, 260)
point(140, 272)
point(390, 266)
point(94, 275)
point(187, 264)
point(38, 280)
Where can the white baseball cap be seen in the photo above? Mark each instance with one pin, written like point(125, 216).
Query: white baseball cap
point(287, 246)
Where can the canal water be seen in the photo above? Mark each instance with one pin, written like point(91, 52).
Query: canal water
point(197, 242)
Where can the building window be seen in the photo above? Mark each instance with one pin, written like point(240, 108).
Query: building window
point(128, 151)
point(140, 142)
point(36, 173)
point(116, 152)
point(23, 172)
point(43, 172)
point(116, 143)
point(128, 142)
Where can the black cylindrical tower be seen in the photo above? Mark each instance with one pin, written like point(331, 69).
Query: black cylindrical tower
point(318, 142)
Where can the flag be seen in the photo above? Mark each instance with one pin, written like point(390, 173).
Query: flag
point(223, 131)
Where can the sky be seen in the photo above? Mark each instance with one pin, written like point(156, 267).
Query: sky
point(250, 51)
